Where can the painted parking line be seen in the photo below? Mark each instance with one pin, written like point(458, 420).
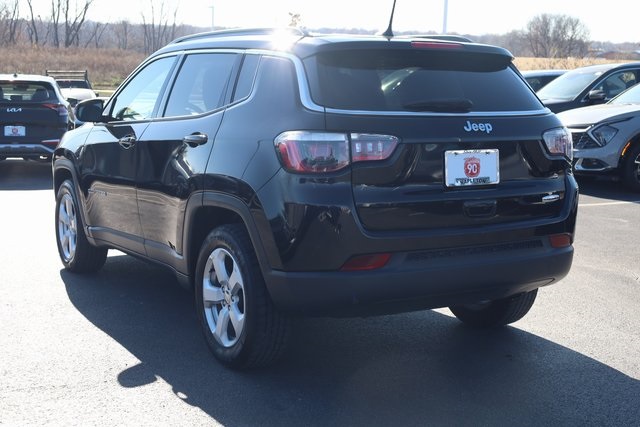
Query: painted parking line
point(630, 202)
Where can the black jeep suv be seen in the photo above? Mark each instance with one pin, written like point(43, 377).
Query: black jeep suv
point(280, 173)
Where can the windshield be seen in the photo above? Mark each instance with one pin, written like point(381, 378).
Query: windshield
point(630, 96)
point(569, 85)
point(417, 81)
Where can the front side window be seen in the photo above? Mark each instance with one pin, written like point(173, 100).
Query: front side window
point(617, 83)
point(139, 98)
point(201, 84)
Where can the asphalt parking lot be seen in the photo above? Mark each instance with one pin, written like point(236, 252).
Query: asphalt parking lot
point(123, 347)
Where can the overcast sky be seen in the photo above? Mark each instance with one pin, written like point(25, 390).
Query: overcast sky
point(474, 17)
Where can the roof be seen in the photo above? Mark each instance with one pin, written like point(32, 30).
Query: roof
point(304, 44)
point(27, 77)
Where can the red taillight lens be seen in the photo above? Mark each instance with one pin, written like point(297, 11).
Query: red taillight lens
point(61, 109)
point(366, 147)
point(319, 152)
point(314, 152)
point(366, 262)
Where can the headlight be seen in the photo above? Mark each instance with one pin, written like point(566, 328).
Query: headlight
point(603, 134)
point(559, 142)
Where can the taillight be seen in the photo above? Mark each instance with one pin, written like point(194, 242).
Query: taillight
point(320, 152)
point(61, 109)
point(366, 147)
point(559, 142)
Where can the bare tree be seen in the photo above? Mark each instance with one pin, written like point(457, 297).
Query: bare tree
point(557, 36)
point(54, 24)
point(159, 30)
point(74, 19)
point(10, 22)
point(122, 30)
point(96, 31)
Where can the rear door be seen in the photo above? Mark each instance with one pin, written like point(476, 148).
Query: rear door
point(174, 149)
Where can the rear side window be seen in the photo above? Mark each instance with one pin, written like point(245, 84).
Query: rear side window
point(24, 91)
point(201, 84)
point(417, 80)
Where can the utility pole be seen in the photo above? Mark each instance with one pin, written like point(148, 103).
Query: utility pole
point(444, 19)
point(211, 7)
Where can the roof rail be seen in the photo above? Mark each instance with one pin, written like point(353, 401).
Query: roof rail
point(242, 32)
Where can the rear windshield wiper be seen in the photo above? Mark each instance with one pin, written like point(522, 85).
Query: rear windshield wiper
point(457, 105)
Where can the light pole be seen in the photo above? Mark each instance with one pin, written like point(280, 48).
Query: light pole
point(211, 7)
point(444, 19)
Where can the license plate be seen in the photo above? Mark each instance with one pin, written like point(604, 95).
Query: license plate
point(471, 167)
point(14, 131)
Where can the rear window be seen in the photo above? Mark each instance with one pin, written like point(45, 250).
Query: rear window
point(24, 91)
point(417, 80)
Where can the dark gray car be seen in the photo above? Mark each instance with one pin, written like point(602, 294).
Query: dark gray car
point(584, 86)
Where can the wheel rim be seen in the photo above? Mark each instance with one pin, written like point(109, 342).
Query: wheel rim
point(637, 168)
point(223, 297)
point(67, 227)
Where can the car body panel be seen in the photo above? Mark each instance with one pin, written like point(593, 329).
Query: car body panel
point(444, 244)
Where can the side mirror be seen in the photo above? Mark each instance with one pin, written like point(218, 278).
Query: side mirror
point(90, 110)
point(597, 96)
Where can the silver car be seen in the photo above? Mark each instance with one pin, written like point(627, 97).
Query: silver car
point(606, 138)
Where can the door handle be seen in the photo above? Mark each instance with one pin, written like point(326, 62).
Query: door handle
point(127, 141)
point(195, 139)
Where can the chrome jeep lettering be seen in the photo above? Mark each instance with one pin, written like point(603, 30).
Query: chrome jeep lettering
point(478, 127)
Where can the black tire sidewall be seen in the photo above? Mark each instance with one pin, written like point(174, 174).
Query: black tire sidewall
point(630, 171)
point(67, 188)
point(225, 237)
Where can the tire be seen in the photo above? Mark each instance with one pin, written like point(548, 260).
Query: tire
point(631, 168)
point(241, 325)
point(495, 313)
point(76, 253)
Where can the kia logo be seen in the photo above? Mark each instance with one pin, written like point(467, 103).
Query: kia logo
point(14, 110)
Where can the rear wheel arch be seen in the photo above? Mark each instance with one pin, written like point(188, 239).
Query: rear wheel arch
point(217, 210)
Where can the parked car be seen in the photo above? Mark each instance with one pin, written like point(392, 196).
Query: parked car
point(584, 86)
point(33, 115)
point(538, 79)
point(606, 138)
point(282, 174)
point(74, 84)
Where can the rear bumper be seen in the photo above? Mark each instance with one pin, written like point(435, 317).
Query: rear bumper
point(25, 150)
point(423, 280)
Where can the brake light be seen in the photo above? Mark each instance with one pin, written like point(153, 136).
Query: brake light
point(435, 45)
point(61, 109)
point(321, 152)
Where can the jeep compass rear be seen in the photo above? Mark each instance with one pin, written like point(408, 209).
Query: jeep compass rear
point(329, 175)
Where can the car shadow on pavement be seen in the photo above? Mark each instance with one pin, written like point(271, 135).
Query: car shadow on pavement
point(420, 368)
point(25, 175)
point(607, 189)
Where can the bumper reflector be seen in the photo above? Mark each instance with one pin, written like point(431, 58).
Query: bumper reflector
point(560, 240)
point(366, 262)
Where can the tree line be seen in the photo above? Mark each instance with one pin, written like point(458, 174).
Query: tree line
point(66, 26)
